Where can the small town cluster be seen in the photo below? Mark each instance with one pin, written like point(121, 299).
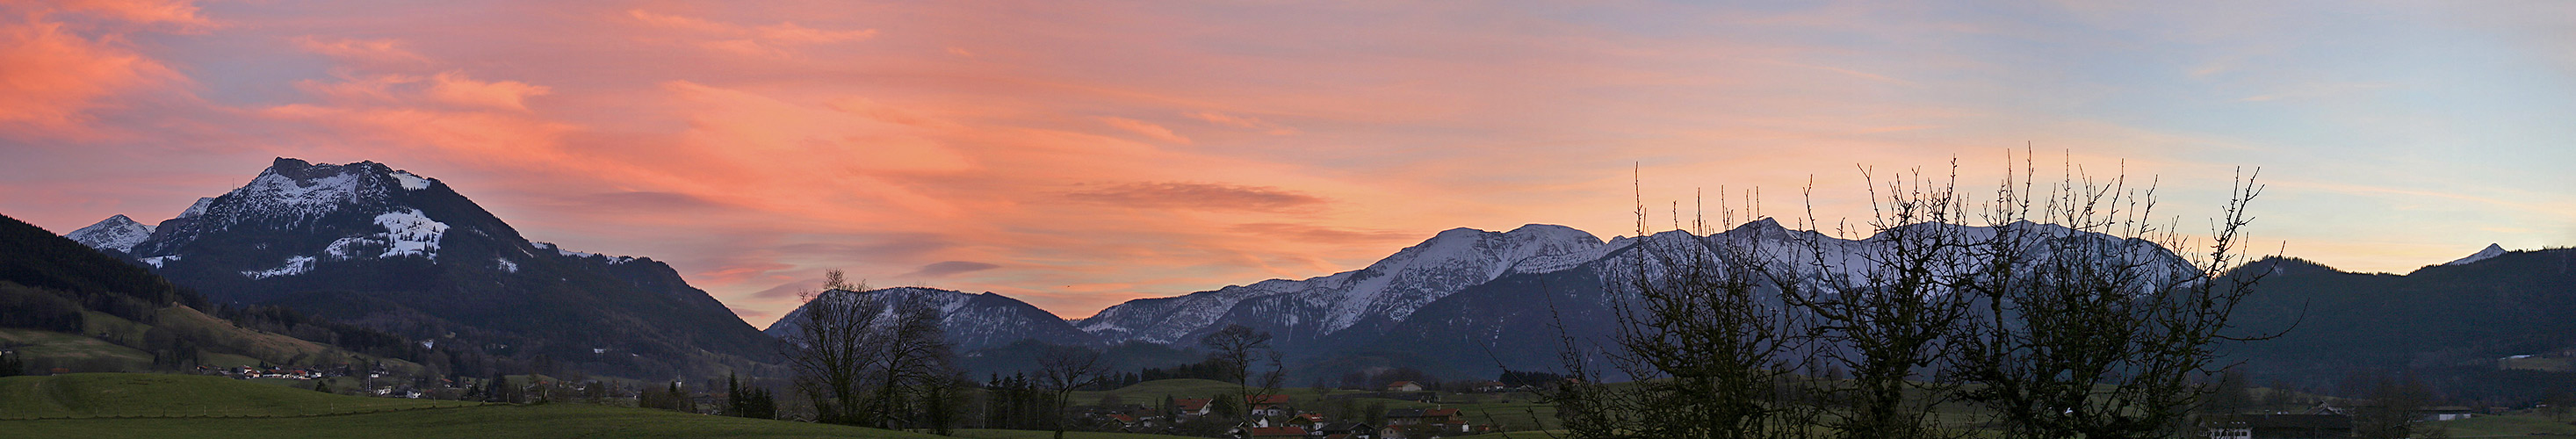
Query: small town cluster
point(2334, 419)
point(1278, 417)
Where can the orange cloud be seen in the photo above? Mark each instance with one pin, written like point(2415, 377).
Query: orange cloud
point(56, 77)
point(1250, 123)
point(178, 12)
point(790, 33)
point(463, 133)
point(860, 135)
point(1312, 233)
point(1157, 132)
point(455, 88)
point(377, 50)
point(1196, 196)
point(451, 88)
point(769, 40)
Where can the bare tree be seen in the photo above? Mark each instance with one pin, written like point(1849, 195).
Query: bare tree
point(832, 347)
point(1064, 369)
point(2083, 335)
point(2067, 316)
point(1238, 348)
point(1585, 408)
point(915, 357)
point(870, 358)
point(1882, 308)
point(2392, 410)
point(1702, 336)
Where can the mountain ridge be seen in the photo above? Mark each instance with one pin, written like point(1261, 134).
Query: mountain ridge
point(1463, 281)
point(365, 242)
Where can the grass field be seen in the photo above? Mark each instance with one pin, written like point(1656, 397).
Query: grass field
point(1026, 434)
point(55, 349)
point(2521, 426)
point(107, 343)
point(121, 405)
point(89, 395)
point(494, 421)
point(155, 406)
point(1514, 411)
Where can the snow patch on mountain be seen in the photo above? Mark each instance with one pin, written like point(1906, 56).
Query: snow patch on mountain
point(156, 261)
point(408, 233)
point(505, 265)
point(2492, 251)
point(116, 232)
point(351, 247)
point(409, 181)
point(294, 266)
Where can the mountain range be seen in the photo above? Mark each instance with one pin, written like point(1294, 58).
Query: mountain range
point(1465, 302)
point(1471, 303)
point(386, 248)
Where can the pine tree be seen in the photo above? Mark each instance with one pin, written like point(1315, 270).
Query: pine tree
point(734, 399)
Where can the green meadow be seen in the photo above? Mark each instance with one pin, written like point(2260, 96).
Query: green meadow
point(185, 406)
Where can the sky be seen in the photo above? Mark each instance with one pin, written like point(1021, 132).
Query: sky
point(1078, 154)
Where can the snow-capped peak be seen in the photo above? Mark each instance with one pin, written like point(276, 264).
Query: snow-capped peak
point(199, 208)
point(2491, 251)
point(1763, 225)
point(1391, 289)
point(297, 191)
point(116, 232)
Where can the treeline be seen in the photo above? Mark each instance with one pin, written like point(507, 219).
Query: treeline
point(1017, 402)
point(46, 280)
point(1210, 369)
point(1511, 378)
point(453, 357)
point(289, 322)
point(34, 257)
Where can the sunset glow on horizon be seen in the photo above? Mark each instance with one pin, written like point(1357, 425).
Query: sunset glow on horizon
point(1079, 154)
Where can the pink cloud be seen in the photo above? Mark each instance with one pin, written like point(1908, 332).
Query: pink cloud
point(373, 50)
point(57, 77)
point(455, 88)
point(1149, 130)
point(766, 40)
point(1195, 196)
point(177, 12)
point(1250, 123)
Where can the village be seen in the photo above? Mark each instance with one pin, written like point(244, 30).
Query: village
point(1280, 416)
point(1317, 413)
